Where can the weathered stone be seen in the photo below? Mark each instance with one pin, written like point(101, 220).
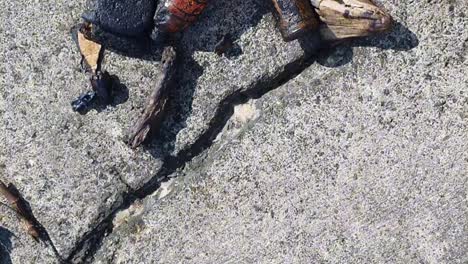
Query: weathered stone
point(364, 163)
point(68, 166)
point(74, 169)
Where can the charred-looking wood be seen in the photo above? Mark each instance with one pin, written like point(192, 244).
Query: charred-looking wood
point(295, 17)
point(149, 121)
point(350, 18)
point(176, 15)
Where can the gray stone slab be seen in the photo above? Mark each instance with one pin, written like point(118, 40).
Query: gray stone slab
point(259, 55)
point(67, 165)
point(361, 163)
point(73, 168)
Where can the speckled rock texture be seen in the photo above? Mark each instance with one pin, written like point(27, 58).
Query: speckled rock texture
point(205, 81)
point(68, 166)
point(74, 169)
point(362, 158)
point(16, 246)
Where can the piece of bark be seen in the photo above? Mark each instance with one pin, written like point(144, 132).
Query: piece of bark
point(350, 18)
point(152, 115)
point(90, 50)
point(19, 206)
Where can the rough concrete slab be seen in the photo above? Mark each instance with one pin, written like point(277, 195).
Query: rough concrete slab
point(74, 169)
point(259, 55)
point(67, 165)
point(361, 163)
point(206, 80)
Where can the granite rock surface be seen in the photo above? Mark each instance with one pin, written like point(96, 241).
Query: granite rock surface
point(73, 169)
point(361, 158)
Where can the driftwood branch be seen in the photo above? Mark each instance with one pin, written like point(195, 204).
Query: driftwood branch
point(18, 205)
point(150, 119)
point(350, 18)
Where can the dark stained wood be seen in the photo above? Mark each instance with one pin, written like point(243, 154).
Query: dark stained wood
point(151, 117)
point(295, 17)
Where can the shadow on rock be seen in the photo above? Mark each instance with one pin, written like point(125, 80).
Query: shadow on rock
point(120, 95)
point(5, 245)
point(399, 38)
point(232, 18)
point(220, 19)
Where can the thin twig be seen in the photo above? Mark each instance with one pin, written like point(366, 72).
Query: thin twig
point(151, 117)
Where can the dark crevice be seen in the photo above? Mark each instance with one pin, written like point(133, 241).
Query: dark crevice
point(85, 250)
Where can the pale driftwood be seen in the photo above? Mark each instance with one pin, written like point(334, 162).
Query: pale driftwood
point(151, 117)
point(350, 18)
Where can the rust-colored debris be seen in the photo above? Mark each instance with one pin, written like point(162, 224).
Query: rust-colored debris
point(176, 15)
point(152, 115)
point(18, 204)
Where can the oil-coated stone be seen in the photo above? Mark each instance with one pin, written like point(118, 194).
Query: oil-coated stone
point(125, 17)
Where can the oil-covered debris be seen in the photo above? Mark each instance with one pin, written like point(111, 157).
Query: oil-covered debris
point(124, 17)
point(102, 83)
point(83, 102)
point(135, 27)
point(101, 94)
point(19, 206)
